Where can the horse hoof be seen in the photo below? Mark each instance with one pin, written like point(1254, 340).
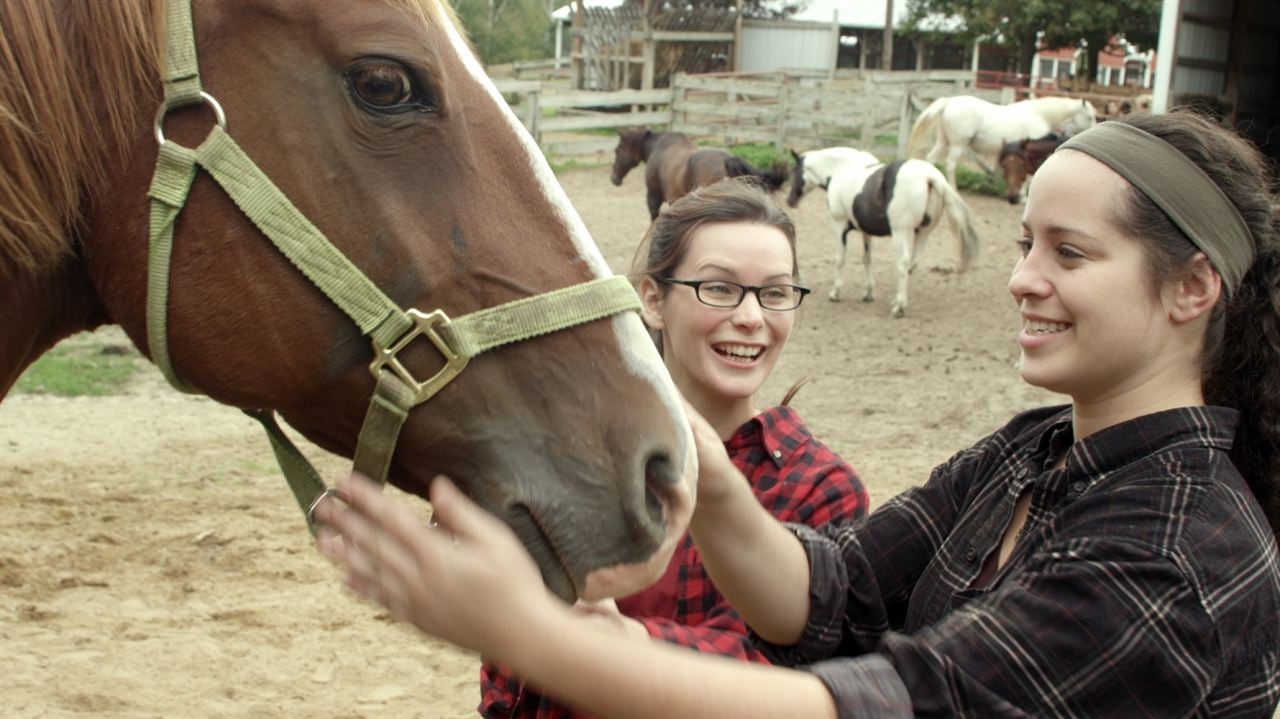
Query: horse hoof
point(869, 297)
point(834, 296)
point(897, 313)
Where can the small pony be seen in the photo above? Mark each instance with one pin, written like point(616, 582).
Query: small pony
point(1020, 160)
point(675, 166)
point(964, 123)
point(902, 199)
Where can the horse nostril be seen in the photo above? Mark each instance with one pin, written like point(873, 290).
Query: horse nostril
point(659, 476)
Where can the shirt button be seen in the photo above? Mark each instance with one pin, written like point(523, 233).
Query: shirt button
point(1077, 486)
point(777, 454)
point(970, 555)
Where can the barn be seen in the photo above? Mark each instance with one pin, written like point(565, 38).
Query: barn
point(1225, 57)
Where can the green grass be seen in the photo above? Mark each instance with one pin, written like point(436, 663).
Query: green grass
point(573, 163)
point(760, 154)
point(92, 369)
point(979, 182)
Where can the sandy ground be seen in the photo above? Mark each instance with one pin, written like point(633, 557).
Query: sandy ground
point(152, 562)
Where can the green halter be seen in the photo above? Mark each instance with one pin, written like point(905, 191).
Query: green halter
point(389, 328)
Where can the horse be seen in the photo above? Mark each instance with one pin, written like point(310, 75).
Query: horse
point(1020, 160)
point(903, 199)
point(963, 123)
point(674, 166)
point(372, 126)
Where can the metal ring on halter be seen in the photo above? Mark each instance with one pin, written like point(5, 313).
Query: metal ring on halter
point(328, 492)
point(208, 100)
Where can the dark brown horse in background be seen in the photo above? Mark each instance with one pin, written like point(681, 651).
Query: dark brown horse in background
point(674, 166)
point(378, 123)
point(1020, 160)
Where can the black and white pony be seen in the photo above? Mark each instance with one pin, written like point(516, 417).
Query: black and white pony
point(904, 199)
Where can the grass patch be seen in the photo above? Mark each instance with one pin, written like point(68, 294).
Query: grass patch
point(93, 369)
point(572, 163)
point(979, 182)
point(891, 139)
point(760, 154)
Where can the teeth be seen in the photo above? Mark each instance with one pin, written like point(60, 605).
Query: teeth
point(740, 351)
point(1044, 328)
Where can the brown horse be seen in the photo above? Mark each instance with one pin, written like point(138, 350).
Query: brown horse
point(377, 122)
point(674, 166)
point(1020, 160)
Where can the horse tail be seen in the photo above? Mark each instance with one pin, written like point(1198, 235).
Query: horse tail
point(961, 217)
point(924, 128)
point(770, 179)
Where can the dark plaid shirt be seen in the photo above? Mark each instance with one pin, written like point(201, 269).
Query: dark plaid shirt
point(795, 477)
point(1145, 583)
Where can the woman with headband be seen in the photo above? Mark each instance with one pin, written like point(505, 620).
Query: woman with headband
point(1111, 557)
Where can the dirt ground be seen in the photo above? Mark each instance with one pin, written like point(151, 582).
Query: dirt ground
point(152, 562)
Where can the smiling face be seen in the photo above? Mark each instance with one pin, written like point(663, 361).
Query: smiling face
point(719, 357)
point(1092, 326)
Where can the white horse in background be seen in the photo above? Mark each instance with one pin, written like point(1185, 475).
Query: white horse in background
point(904, 199)
point(965, 123)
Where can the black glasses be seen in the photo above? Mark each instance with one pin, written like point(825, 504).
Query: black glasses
point(722, 293)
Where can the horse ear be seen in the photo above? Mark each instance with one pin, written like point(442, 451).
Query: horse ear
point(794, 156)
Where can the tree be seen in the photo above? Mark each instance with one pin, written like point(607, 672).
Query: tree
point(1064, 23)
point(507, 30)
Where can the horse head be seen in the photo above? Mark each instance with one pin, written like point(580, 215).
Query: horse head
point(1013, 164)
point(378, 123)
point(629, 152)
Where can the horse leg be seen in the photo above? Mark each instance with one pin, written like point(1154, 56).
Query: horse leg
point(917, 248)
point(655, 204)
point(842, 234)
point(903, 243)
point(869, 279)
point(953, 156)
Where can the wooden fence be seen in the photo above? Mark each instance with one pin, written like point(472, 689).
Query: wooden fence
point(872, 111)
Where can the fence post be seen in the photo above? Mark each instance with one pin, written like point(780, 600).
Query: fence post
point(784, 94)
point(533, 118)
point(677, 95)
point(904, 124)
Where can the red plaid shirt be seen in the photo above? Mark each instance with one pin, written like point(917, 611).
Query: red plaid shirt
point(796, 477)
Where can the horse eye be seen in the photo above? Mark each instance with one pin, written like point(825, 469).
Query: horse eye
point(385, 85)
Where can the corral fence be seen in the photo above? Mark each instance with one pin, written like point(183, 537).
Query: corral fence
point(869, 110)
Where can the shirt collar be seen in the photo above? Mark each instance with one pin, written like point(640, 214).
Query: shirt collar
point(1122, 444)
point(776, 429)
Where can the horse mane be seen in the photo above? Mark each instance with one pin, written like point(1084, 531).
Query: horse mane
point(77, 79)
point(70, 78)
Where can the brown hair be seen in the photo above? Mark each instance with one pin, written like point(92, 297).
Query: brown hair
point(1241, 353)
point(734, 199)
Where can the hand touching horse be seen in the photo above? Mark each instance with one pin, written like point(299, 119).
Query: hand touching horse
point(674, 166)
point(383, 173)
point(903, 199)
point(952, 126)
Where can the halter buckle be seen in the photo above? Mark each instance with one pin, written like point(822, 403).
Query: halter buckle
point(423, 324)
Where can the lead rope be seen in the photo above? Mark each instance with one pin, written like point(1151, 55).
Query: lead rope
point(389, 328)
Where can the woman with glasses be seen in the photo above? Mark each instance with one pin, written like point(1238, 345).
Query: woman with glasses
point(1111, 557)
point(717, 274)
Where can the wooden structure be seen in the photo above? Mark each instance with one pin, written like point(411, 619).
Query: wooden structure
point(869, 110)
point(1223, 55)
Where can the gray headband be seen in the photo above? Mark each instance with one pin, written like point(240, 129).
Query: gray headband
point(1179, 188)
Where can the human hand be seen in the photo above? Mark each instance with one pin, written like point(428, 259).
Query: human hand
point(467, 580)
point(718, 477)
